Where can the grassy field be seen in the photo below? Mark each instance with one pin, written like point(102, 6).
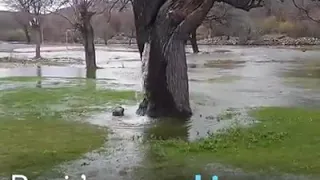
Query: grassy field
point(286, 140)
point(43, 127)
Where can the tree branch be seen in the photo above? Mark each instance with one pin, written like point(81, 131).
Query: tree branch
point(245, 5)
point(305, 11)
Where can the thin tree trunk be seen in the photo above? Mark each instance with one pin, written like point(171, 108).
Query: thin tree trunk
point(26, 32)
point(164, 67)
point(38, 42)
point(193, 40)
point(89, 47)
point(105, 38)
point(131, 36)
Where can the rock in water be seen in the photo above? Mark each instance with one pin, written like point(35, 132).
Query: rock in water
point(118, 111)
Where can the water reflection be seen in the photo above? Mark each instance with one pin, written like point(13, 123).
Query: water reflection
point(168, 128)
point(153, 165)
point(39, 74)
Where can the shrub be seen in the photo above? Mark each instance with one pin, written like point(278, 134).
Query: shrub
point(269, 25)
point(14, 35)
point(291, 29)
point(273, 25)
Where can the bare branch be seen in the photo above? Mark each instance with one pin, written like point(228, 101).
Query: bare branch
point(245, 5)
point(305, 11)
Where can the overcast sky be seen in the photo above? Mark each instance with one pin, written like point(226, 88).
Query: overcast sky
point(2, 6)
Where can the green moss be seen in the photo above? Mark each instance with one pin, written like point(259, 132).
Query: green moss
point(40, 127)
point(284, 140)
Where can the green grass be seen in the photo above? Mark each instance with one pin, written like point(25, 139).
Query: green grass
point(22, 78)
point(42, 127)
point(285, 141)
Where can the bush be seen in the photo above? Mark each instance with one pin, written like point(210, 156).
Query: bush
point(14, 35)
point(272, 25)
point(269, 25)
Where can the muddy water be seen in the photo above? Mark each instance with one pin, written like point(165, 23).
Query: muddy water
point(243, 78)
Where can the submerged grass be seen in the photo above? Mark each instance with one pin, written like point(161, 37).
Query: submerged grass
point(284, 140)
point(22, 78)
point(305, 83)
point(224, 64)
point(38, 129)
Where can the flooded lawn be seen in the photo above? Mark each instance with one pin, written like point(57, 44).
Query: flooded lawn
point(43, 127)
point(254, 113)
point(284, 140)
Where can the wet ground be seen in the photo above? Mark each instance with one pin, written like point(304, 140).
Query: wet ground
point(222, 78)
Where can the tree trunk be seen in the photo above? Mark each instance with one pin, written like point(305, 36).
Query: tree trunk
point(26, 32)
point(105, 38)
point(164, 67)
point(193, 40)
point(38, 41)
point(91, 73)
point(88, 42)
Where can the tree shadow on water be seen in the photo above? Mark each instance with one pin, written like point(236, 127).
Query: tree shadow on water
point(168, 128)
point(91, 75)
point(39, 74)
point(155, 164)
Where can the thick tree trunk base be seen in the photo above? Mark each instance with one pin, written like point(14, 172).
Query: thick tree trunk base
point(147, 108)
point(37, 58)
point(91, 73)
point(165, 83)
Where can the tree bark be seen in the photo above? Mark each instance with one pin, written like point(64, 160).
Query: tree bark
point(193, 41)
point(88, 43)
point(163, 32)
point(38, 41)
point(91, 73)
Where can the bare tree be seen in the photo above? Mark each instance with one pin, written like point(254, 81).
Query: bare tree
point(163, 26)
point(217, 15)
point(128, 26)
point(35, 10)
point(83, 11)
point(23, 20)
point(310, 9)
point(113, 19)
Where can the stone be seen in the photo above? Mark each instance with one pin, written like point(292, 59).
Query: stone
point(118, 111)
point(192, 65)
point(210, 117)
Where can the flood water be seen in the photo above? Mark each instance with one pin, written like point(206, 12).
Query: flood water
point(247, 77)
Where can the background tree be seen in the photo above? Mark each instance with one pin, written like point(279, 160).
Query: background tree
point(23, 18)
point(163, 26)
point(35, 10)
point(81, 20)
point(309, 9)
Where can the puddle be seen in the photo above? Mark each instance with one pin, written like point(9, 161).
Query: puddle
point(221, 91)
